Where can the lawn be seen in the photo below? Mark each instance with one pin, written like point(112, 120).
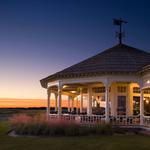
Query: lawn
point(117, 142)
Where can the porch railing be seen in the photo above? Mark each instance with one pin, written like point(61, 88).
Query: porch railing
point(93, 119)
point(146, 121)
point(83, 119)
point(125, 120)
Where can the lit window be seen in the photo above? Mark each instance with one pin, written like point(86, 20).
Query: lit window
point(84, 90)
point(136, 90)
point(98, 90)
point(147, 91)
point(121, 89)
point(136, 105)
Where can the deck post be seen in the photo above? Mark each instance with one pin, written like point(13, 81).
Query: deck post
point(89, 102)
point(141, 107)
point(76, 105)
point(69, 98)
point(59, 99)
point(107, 102)
point(56, 95)
point(72, 107)
point(48, 102)
point(81, 100)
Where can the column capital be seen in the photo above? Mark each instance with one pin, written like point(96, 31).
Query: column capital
point(60, 84)
point(141, 90)
point(59, 92)
point(48, 91)
point(107, 83)
point(140, 83)
point(80, 89)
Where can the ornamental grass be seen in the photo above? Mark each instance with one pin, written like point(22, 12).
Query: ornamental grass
point(39, 125)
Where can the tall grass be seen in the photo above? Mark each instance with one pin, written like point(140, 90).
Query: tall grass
point(39, 125)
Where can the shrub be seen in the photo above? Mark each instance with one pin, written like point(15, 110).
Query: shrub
point(72, 130)
point(39, 125)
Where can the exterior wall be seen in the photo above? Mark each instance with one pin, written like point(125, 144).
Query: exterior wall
point(113, 96)
point(113, 99)
point(129, 97)
point(132, 85)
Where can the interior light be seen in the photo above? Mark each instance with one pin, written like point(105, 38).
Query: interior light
point(65, 86)
point(148, 81)
point(147, 101)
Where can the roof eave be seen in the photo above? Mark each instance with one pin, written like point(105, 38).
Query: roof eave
point(51, 78)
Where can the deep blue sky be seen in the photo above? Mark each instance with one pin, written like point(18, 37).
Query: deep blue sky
point(40, 37)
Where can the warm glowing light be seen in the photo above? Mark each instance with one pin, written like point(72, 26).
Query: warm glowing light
point(26, 103)
point(148, 81)
point(65, 86)
point(73, 92)
point(48, 85)
point(147, 101)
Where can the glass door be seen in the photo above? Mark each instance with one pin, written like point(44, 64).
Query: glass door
point(121, 109)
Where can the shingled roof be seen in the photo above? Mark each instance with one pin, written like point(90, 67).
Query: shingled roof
point(121, 59)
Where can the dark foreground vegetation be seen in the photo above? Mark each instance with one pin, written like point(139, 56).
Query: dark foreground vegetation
point(119, 140)
point(39, 125)
point(115, 142)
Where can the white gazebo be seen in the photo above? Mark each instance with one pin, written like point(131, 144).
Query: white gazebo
point(112, 86)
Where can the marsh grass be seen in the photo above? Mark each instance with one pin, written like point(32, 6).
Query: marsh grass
point(38, 125)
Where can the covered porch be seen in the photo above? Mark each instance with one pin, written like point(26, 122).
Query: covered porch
point(115, 100)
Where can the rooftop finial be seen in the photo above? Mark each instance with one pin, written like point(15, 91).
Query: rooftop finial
point(119, 23)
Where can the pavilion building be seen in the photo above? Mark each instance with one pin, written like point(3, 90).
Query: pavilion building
point(113, 85)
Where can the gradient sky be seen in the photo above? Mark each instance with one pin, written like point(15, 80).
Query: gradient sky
point(40, 37)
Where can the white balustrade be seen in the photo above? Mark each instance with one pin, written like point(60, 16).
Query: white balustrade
point(83, 119)
point(100, 119)
point(146, 121)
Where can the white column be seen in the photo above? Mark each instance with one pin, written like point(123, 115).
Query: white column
point(89, 102)
point(81, 101)
point(107, 103)
point(141, 107)
point(69, 103)
point(129, 104)
point(59, 100)
point(72, 107)
point(48, 102)
point(113, 100)
point(56, 101)
point(76, 105)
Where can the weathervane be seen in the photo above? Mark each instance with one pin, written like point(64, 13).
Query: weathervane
point(119, 23)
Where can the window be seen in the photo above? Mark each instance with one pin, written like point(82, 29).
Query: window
point(147, 91)
point(84, 90)
point(136, 90)
point(121, 89)
point(136, 105)
point(98, 90)
point(147, 106)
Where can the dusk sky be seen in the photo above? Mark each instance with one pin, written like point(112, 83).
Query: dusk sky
point(41, 37)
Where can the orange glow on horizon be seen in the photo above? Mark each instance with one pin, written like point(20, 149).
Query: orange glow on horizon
point(25, 103)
